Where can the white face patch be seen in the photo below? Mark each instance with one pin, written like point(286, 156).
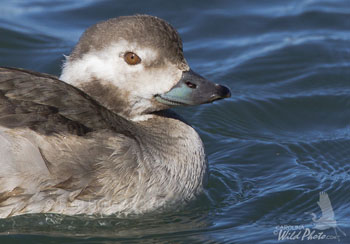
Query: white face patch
point(141, 81)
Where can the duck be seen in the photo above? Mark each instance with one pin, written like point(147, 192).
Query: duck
point(101, 139)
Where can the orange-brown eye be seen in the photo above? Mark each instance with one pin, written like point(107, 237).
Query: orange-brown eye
point(131, 58)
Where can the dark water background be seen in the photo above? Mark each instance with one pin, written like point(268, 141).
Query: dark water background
point(282, 138)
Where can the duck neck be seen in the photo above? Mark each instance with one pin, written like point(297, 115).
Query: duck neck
point(177, 153)
point(171, 160)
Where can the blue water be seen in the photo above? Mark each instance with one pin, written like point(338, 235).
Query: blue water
point(281, 139)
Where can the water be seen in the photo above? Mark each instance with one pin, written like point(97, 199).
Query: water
point(282, 138)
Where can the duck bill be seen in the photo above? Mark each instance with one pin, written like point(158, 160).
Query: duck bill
point(193, 89)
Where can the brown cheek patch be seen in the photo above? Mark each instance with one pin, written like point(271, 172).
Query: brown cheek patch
point(109, 96)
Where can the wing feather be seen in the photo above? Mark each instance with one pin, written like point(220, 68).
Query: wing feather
point(46, 104)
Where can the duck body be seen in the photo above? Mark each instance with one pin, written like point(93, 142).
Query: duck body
point(88, 145)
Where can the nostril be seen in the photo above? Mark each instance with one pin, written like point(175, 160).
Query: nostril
point(191, 85)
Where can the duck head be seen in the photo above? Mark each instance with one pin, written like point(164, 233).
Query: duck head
point(134, 65)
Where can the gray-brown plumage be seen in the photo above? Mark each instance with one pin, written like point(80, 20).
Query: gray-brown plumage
point(104, 143)
point(160, 34)
point(48, 105)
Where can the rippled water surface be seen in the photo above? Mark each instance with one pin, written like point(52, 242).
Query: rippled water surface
point(281, 139)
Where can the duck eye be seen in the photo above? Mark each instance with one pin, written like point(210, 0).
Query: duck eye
point(131, 58)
